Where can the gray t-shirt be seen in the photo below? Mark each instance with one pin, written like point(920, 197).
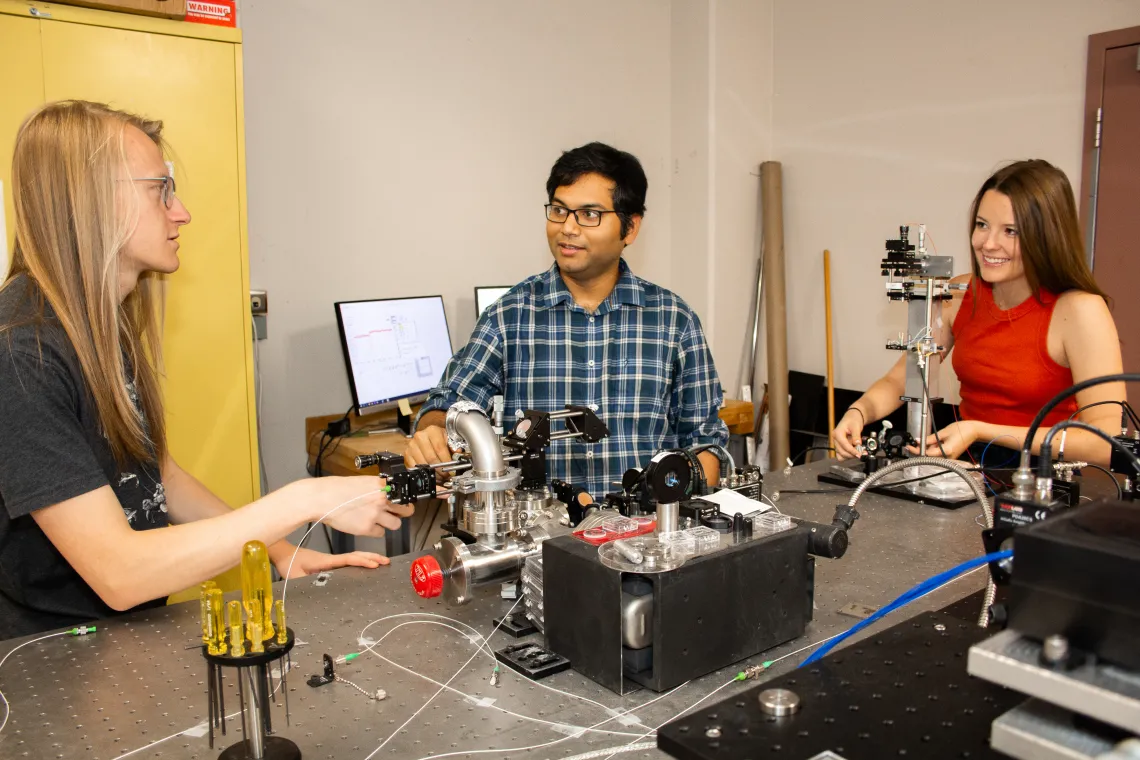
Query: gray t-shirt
point(52, 449)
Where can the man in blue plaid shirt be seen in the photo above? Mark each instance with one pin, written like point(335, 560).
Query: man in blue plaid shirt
point(588, 332)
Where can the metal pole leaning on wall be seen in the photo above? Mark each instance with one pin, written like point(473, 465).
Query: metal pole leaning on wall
point(775, 312)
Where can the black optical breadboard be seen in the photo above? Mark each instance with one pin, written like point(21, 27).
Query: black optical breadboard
point(899, 492)
point(901, 693)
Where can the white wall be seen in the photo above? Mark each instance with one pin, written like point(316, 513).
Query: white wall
point(398, 149)
point(894, 111)
point(402, 149)
point(721, 113)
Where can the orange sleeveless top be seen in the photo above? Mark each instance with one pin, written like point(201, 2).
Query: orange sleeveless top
point(1002, 360)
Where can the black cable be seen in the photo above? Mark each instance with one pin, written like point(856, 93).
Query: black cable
point(318, 466)
point(814, 490)
point(722, 458)
point(326, 439)
point(336, 442)
point(429, 523)
point(916, 480)
point(1045, 457)
point(1124, 405)
point(705, 447)
point(698, 483)
point(811, 448)
point(1127, 377)
point(1115, 482)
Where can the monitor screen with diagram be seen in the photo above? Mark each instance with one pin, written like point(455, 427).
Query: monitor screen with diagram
point(394, 348)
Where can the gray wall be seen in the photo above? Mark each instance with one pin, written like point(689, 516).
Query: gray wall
point(402, 149)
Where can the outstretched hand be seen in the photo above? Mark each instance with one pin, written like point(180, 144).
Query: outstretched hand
point(309, 561)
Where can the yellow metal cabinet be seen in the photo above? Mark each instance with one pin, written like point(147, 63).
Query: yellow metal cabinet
point(21, 90)
point(190, 77)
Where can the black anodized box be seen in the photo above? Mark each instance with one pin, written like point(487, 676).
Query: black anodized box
point(715, 610)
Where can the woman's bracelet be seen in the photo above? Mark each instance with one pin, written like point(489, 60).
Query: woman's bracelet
point(854, 408)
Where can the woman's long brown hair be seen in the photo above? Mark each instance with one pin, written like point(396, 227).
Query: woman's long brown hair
point(1047, 227)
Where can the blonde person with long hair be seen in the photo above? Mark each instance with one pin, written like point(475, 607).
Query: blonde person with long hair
point(86, 477)
point(1031, 323)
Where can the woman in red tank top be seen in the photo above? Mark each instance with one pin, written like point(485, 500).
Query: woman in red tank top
point(1031, 323)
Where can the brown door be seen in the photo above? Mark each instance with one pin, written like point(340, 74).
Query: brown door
point(1111, 213)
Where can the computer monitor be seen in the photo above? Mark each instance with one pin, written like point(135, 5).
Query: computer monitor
point(485, 295)
point(394, 348)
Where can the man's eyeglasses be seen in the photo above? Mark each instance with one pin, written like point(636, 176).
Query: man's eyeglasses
point(168, 188)
point(586, 217)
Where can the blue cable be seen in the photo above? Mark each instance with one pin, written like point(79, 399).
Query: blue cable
point(1006, 463)
point(982, 461)
point(917, 592)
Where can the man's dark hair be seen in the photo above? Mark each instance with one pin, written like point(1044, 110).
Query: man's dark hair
point(621, 168)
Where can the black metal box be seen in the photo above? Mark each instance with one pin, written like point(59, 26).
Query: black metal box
point(714, 610)
point(1076, 575)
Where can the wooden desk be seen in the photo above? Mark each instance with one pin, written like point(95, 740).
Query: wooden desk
point(339, 457)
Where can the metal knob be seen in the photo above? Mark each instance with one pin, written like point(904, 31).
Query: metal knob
point(1055, 649)
point(779, 702)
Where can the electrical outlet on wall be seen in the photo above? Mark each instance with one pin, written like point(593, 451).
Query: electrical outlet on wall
point(259, 307)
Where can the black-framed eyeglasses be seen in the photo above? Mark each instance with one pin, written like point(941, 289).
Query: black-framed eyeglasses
point(168, 188)
point(586, 217)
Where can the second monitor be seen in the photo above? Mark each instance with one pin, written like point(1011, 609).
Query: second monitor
point(485, 295)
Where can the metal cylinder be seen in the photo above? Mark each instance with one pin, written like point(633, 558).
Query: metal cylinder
point(479, 565)
point(252, 721)
point(667, 517)
point(487, 514)
point(779, 702)
point(497, 414)
point(1055, 649)
point(628, 552)
point(1023, 479)
point(924, 413)
point(468, 566)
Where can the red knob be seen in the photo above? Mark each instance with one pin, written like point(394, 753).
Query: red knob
point(427, 577)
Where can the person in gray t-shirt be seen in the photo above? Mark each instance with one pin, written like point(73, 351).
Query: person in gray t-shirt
point(85, 473)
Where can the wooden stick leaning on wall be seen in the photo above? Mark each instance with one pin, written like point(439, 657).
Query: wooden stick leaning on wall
point(830, 353)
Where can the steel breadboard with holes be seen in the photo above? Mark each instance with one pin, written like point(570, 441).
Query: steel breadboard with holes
point(137, 687)
point(903, 692)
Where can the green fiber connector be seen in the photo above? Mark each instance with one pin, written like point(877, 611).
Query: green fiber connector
point(351, 657)
point(82, 630)
point(752, 671)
